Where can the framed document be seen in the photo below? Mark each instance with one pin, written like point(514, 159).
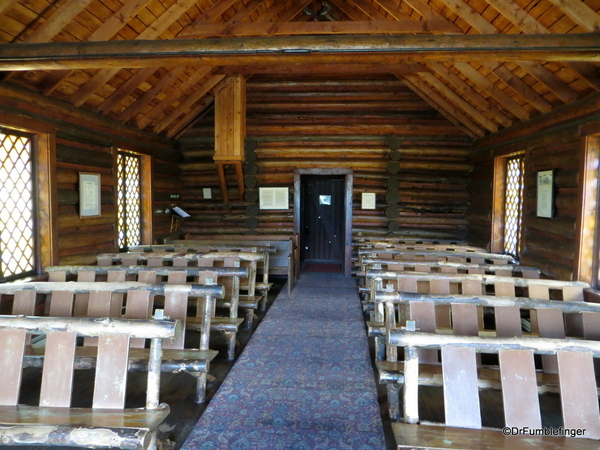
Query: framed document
point(368, 200)
point(545, 193)
point(274, 198)
point(89, 194)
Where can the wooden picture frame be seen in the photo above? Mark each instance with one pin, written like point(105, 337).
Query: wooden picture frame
point(89, 194)
point(545, 194)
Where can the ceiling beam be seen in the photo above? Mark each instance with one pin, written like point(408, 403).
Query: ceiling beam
point(310, 28)
point(302, 49)
point(295, 69)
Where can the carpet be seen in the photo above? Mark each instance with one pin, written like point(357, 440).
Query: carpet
point(323, 268)
point(304, 381)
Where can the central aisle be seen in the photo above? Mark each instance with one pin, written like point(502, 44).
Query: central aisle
point(304, 381)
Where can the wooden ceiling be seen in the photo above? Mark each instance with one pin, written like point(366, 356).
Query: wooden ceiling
point(482, 64)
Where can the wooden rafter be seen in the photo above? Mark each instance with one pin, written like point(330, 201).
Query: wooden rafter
point(527, 24)
point(150, 94)
point(125, 89)
point(393, 9)
point(348, 9)
point(191, 117)
point(479, 23)
point(456, 99)
point(188, 103)
point(311, 28)
point(6, 4)
point(186, 87)
point(106, 31)
point(470, 94)
point(443, 106)
point(580, 13)
point(158, 27)
point(370, 10)
point(501, 97)
point(57, 21)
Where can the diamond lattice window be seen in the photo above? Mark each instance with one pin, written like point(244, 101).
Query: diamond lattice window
point(513, 204)
point(17, 237)
point(129, 209)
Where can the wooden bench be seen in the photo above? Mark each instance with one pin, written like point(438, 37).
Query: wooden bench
point(285, 260)
point(228, 277)
point(442, 283)
point(427, 255)
point(462, 427)
point(136, 298)
point(263, 265)
point(108, 424)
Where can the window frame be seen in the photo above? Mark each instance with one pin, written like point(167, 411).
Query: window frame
point(43, 137)
point(146, 222)
point(498, 201)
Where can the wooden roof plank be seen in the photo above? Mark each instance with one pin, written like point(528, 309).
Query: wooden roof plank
point(471, 94)
point(555, 84)
point(311, 28)
point(185, 87)
point(453, 97)
point(191, 117)
point(527, 24)
point(350, 11)
point(188, 103)
point(152, 32)
point(393, 9)
point(519, 86)
point(370, 10)
point(210, 14)
point(543, 75)
point(443, 106)
point(125, 89)
point(57, 21)
point(245, 11)
point(579, 12)
point(6, 4)
point(289, 14)
point(150, 94)
point(502, 98)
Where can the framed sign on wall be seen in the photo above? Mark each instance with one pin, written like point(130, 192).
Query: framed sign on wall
point(274, 198)
point(89, 194)
point(545, 193)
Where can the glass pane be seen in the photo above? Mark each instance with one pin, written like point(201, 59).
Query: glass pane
point(129, 199)
point(513, 204)
point(17, 246)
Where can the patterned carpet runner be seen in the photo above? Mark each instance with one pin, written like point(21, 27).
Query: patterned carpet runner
point(304, 381)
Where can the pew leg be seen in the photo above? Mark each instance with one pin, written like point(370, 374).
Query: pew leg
point(249, 318)
point(200, 387)
point(231, 341)
point(262, 306)
point(393, 394)
point(380, 348)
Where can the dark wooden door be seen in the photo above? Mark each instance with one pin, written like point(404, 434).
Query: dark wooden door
point(322, 218)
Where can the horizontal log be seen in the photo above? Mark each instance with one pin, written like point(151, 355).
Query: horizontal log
point(149, 329)
point(488, 344)
point(85, 157)
point(492, 301)
point(160, 271)
point(47, 287)
point(299, 49)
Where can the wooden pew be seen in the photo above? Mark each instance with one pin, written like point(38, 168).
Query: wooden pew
point(263, 286)
point(463, 428)
point(108, 423)
point(107, 298)
point(434, 255)
point(285, 261)
point(228, 277)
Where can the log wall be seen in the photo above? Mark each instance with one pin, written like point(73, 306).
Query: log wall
point(87, 143)
point(324, 123)
point(553, 141)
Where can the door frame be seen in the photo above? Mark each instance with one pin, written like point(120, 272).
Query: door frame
point(348, 178)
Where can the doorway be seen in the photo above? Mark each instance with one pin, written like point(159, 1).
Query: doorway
point(322, 219)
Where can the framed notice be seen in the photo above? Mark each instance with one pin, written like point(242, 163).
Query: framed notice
point(89, 194)
point(545, 193)
point(274, 198)
point(368, 200)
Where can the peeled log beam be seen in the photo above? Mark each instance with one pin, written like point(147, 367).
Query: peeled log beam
point(83, 326)
point(299, 49)
point(47, 287)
